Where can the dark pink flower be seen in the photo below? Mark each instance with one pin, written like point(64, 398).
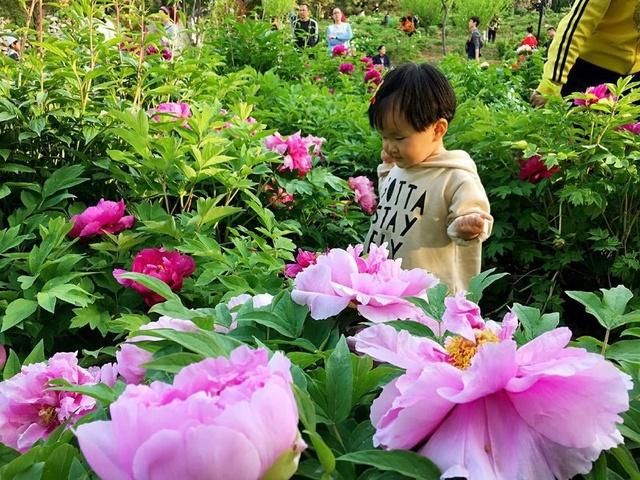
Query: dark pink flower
point(373, 75)
point(295, 151)
point(533, 169)
point(368, 61)
point(304, 258)
point(167, 54)
point(346, 68)
point(339, 50)
point(169, 266)
point(3, 356)
point(105, 217)
point(30, 411)
point(632, 127)
point(594, 95)
point(365, 194)
point(151, 50)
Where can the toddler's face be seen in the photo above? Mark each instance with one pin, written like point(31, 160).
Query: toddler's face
point(405, 145)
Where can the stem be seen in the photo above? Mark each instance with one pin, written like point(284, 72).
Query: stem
point(605, 342)
point(335, 431)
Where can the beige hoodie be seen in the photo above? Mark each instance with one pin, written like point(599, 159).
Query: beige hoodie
point(416, 216)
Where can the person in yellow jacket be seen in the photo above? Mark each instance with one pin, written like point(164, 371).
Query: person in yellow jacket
point(597, 42)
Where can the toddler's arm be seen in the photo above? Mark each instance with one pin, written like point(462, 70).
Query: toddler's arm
point(469, 218)
point(469, 227)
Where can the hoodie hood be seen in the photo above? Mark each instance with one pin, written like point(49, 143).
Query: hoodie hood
point(449, 159)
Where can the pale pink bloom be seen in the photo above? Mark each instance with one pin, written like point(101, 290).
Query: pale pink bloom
point(105, 217)
point(295, 151)
point(169, 266)
point(107, 373)
point(462, 317)
point(220, 419)
point(171, 111)
point(595, 95)
point(341, 277)
point(632, 127)
point(346, 68)
point(365, 194)
point(3, 356)
point(131, 358)
point(304, 258)
point(258, 301)
point(487, 410)
point(339, 50)
point(29, 411)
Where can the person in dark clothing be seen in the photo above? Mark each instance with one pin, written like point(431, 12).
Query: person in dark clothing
point(474, 43)
point(381, 58)
point(494, 25)
point(305, 28)
point(13, 47)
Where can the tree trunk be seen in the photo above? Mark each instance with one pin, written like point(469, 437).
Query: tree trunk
point(445, 18)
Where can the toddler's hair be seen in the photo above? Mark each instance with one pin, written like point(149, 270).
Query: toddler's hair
point(419, 92)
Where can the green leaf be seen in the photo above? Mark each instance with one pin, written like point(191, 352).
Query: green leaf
point(626, 460)
point(12, 366)
point(414, 328)
point(306, 408)
point(616, 298)
point(99, 391)
point(480, 282)
point(599, 471)
point(174, 362)
point(624, 350)
point(610, 310)
point(404, 462)
point(59, 462)
point(268, 319)
point(7, 454)
point(533, 323)
point(207, 344)
point(324, 453)
point(36, 355)
point(339, 382)
point(152, 283)
point(63, 178)
point(18, 311)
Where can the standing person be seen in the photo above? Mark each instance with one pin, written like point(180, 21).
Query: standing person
point(530, 39)
point(386, 21)
point(173, 29)
point(551, 33)
point(494, 26)
point(408, 24)
point(381, 58)
point(338, 33)
point(305, 28)
point(597, 42)
point(433, 210)
point(13, 47)
point(474, 43)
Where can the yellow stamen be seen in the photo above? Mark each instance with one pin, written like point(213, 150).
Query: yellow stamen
point(461, 351)
point(48, 415)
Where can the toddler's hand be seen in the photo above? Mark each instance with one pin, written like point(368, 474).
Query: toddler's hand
point(386, 158)
point(469, 226)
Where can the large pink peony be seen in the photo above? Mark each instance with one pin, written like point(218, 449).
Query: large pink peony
point(295, 151)
point(105, 217)
point(484, 409)
point(339, 50)
point(171, 110)
point(632, 127)
point(220, 419)
point(373, 75)
point(376, 284)
point(29, 411)
point(131, 358)
point(346, 68)
point(365, 194)
point(169, 266)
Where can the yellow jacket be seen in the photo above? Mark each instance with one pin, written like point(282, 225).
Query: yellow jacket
point(605, 33)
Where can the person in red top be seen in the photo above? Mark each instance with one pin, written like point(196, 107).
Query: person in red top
point(530, 39)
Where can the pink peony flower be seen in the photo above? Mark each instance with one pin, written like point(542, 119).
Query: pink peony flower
point(172, 110)
point(130, 357)
point(167, 55)
point(339, 50)
point(632, 127)
point(377, 288)
point(368, 62)
point(151, 50)
point(373, 75)
point(169, 266)
point(533, 170)
point(595, 95)
point(365, 194)
point(483, 409)
point(258, 301)
point(3, 356)
point(221, 418)
point(279, 198)
point(346, 68)
point(107, 373)
point(295, 151)
point(105, 217)
point(304, 258)
point(29, 411)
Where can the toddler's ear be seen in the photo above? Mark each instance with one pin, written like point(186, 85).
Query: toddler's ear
point(440, 128)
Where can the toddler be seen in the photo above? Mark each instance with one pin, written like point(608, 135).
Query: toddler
point(433, 211)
